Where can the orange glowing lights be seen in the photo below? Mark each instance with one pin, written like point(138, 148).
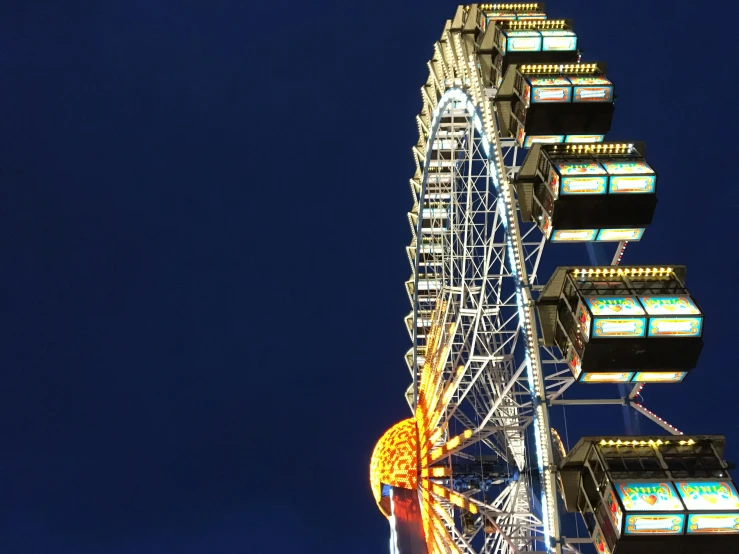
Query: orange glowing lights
point(436, 472)
point(407, 455)
point(394, 460)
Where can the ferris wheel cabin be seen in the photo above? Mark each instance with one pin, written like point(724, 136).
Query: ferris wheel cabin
point(625, 324)
point(556, 101)
point(604, 192)
point(653, 495)
point(549, 103)
point(526, 38)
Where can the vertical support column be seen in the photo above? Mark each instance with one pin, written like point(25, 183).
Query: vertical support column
point(542, 427)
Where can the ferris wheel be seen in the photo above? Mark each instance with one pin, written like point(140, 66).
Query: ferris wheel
point(512, 157)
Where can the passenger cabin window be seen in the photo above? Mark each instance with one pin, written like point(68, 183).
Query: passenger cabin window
point(606, 525)
point(544, 166)
point(599, 472)
point(560, 338)
point(657, 285)
point(519, 82)
point(682, 466)
point(634, 463)
point(544, 198)
point(591, 490)
point(570, 293)
point(570, 326)
point(613, 287)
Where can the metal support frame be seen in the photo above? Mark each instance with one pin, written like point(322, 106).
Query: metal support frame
point(474, 270)
point(480, 262)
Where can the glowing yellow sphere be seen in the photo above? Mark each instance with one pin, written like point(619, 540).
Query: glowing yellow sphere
point(395, 459)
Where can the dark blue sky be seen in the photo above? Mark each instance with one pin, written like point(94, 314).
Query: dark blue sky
point(202, 211)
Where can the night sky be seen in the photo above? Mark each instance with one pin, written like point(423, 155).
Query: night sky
point(203, 221)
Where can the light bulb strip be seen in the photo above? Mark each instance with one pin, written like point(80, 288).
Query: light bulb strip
point(656, 419)
point(531, 6)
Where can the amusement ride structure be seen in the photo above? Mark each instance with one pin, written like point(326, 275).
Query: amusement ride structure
point(511, 156)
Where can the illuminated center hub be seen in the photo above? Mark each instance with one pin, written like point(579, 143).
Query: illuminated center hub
point(394, 462)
